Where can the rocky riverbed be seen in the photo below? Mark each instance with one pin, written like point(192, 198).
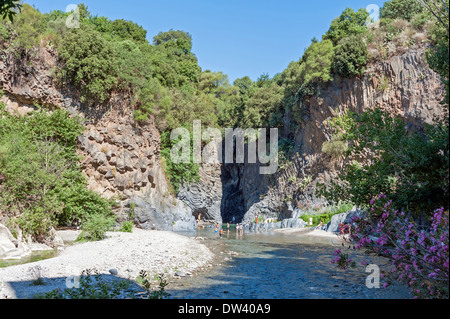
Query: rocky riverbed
point(119, 256)
point(281, 264)
point(284, 263)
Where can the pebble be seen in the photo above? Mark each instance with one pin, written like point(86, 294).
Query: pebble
point(150, 250)
point(113, 271)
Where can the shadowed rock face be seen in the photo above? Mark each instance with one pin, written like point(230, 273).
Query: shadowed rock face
point(232, 204)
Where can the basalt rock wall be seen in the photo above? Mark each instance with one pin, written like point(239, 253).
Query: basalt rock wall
point(120, 157)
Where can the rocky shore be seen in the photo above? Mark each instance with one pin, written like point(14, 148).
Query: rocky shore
point(120, 255)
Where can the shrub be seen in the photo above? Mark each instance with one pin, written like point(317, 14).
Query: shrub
point(410, 167)
point(330, 211)
point(177, 173)
point(88, 63)
point(419, 255)
point(42, 182)
point(351, 57)
point(347, 24)
point(404, 9)
point(127, 227)
point(94, 286)
point(336, 147)
point(95, 227)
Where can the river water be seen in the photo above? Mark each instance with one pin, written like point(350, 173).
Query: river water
point(276, 265)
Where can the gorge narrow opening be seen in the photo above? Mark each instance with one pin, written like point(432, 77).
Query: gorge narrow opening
point(233, 204)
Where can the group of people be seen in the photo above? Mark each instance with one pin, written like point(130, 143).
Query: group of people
point(218, 229)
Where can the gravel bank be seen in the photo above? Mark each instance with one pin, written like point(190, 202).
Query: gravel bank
point(124, 253)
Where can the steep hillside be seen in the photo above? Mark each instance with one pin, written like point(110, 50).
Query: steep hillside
point(413, 91)
point(133, 94)
point(121, 158)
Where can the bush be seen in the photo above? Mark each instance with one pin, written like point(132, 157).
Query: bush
point(177, 173)
point(329, 213)
point(410, 167)
point(95, 227)
point(404, 9)
point(419, 255)
point(88, 63)
point(336, 147)
point(347, 24)
point(127, 227)
point(41, 182)
point(350, 57)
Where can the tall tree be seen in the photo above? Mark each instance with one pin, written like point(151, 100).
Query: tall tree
point(9, 8)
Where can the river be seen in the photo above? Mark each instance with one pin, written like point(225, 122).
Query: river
point(276, 265)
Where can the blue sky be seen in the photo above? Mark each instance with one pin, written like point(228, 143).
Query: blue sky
point(245, 37)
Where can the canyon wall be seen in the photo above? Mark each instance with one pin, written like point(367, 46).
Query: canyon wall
point(404, 85)
point(120, 157)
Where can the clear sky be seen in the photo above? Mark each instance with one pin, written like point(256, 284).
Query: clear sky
point(237, 37)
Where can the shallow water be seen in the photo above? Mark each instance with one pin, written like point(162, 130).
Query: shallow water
point(34, 256)
point(279, 266)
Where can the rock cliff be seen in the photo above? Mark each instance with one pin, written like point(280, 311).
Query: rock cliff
point(120, 157)
point(404, 85)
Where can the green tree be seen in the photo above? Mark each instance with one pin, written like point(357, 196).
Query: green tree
point(347, 24)
point(128, 30)
point(88, 63)
point(263, 107)
point(404, 9)
point(9, 8)
point(351, 56)
point(316, 63)
point(215, 83)
point(174, 39)
point(29, 25)
point(411, 168)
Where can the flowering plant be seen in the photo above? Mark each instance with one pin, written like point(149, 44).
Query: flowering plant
point(419, 254)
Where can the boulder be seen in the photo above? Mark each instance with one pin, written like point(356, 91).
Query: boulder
point(293, 223)
point(149, 216)
point(10, 247)
point(333, 225)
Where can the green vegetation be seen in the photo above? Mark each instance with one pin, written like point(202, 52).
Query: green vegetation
point(351, 56)
point(336, 147)
point(329, 212)
point(95, 227)
point(409, 167)
point(349, 23)
point(88, 64)
point(41, 182)
point(92, 285)
point(162, 80)
point(403, 9)
point(8, 8)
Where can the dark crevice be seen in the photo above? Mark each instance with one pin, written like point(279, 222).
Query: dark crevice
point(233, 204)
